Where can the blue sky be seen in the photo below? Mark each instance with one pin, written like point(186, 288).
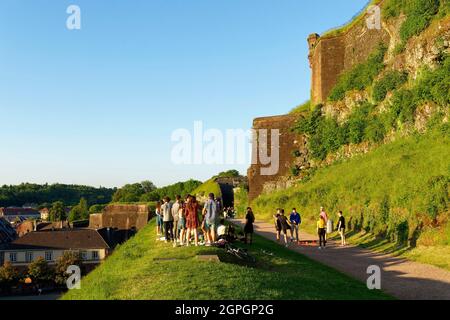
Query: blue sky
point(98, 106)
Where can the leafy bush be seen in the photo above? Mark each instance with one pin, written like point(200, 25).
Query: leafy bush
point(375, 130)
point(419, 14)
point(361, 76)
point(403, 105)
point(392, 80)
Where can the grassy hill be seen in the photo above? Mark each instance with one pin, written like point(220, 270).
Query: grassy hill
point(143, 268)
point(207, 187)
point(395, 198)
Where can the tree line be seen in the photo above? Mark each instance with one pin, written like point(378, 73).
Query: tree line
point(47, 194)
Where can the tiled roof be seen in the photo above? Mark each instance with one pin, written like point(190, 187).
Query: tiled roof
point(59, 239)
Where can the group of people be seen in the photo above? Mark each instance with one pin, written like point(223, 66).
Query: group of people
point(323, 225)
point(179, 221)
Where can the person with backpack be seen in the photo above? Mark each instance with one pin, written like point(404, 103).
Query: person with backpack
point(295, 220)
point(248, 228)
point(211, 215)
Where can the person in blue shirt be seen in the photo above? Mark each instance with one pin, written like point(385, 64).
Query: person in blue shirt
point(295, 220)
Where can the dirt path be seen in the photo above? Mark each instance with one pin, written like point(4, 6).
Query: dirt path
point(399, 277)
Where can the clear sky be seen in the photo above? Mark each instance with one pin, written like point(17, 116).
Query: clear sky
point(98, 106)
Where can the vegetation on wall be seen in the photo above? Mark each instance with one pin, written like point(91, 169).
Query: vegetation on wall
point(389, 82)
point(360, 76)
point(365, 122)
point(419, 14)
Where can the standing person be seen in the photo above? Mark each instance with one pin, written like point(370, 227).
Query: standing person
point(248, 228)
point(321, 232)
point(211, 215)
point(191, 212)
point(175, 214)
point(284, 226)
point(277, 223)
point(182, 223)
point(295, 220)
point(341, 228)
point(166, 209)
point(324, 215)
point(159, 221)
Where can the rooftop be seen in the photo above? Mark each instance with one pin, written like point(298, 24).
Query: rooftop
point(72, 239)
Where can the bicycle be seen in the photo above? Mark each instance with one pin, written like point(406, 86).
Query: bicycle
point(242, 254)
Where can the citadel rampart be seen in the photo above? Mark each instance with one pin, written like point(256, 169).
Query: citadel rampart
point(329, 56)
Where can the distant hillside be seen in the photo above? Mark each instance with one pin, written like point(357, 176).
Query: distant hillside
point(28, 193)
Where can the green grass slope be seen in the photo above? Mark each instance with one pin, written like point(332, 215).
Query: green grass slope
point(208, 187)
point(395, 198)
point(133, 271)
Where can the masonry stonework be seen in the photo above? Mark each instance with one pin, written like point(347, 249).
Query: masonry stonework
point(330, 56)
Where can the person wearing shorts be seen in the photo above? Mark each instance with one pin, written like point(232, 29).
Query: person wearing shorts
point(181, 224)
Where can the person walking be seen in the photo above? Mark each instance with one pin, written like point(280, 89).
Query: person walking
point(166, 209)
point(211, 216)
point(341, 228)
point(175, 214)
point(248, 228)
point(295, 220)
point(191, 212)
point(277, 223)
point(283, 220)
point(321, 232)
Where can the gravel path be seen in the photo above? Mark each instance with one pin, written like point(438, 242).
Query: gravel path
point(401, 278)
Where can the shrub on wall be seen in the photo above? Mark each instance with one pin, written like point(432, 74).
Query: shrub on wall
point(360, 76)
point(392, 80)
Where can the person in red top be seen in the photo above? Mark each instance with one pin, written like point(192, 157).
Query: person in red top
point(191, 211)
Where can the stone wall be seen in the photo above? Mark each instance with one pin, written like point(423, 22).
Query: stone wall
point(329, 56)
point(121, 217)
point(288, 142)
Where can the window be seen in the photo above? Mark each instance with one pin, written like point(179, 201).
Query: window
point(83, 255)
point(12, 256)
point(29, 256)
point(94, 255)
point(48, 255)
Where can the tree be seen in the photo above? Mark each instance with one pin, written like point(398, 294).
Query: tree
point(80, 211)
point(129, 193)
point(96, 208)
point(58, 212)
point(39, 271)
point(148, 186)
point(9, 276)
point(69, 258)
